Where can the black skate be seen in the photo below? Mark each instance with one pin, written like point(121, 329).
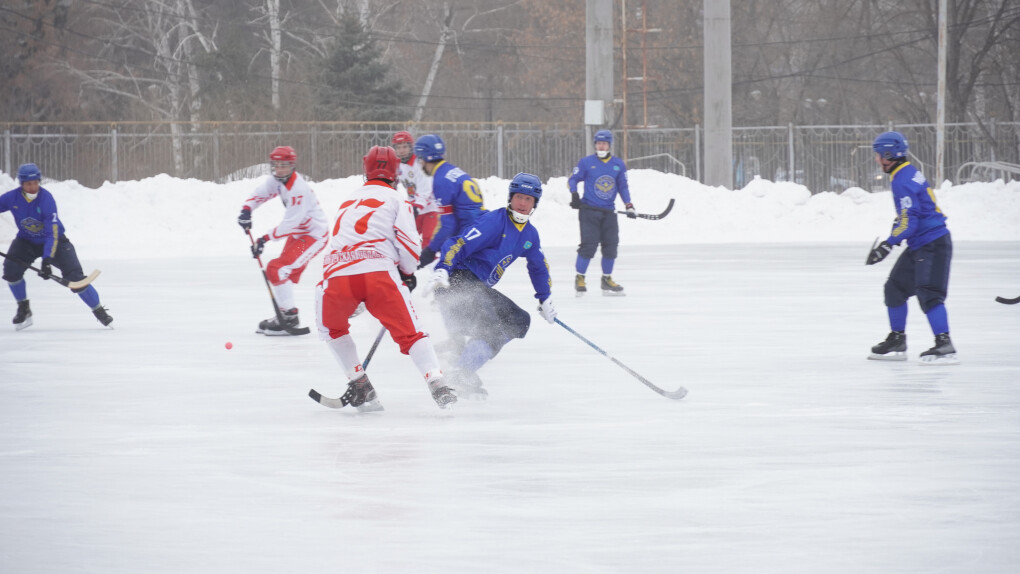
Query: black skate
point(579, 286)
point(467, 385)
point(272, 325)
point(611, 288)
point(23, 318)
point(102, 315)
point(442, 394)
point(943, 353)
point(894, 348)
point(361, 395)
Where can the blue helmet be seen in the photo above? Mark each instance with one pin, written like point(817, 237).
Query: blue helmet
point(527, 184)
point(603, 136)
point(890, 145)
point(430, 147)
point(29, 172)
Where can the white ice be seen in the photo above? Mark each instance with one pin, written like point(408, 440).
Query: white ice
point(152, 448)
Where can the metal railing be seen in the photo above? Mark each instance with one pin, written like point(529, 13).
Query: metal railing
point(823, 158)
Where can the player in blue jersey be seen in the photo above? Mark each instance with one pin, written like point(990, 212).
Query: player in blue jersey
point(470, 265)
point(40, 234)
point(604, 176)
point(923, 268)
point(457, 194)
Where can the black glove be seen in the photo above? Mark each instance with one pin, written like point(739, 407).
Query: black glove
point(631, 214)
point(409, 280)
point(575, 201)
point(46, 269)
point(427, 256)
point(260, 244)
point(879, 253)
point(244, 220)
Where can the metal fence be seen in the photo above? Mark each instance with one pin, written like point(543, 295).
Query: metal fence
point(823, 158)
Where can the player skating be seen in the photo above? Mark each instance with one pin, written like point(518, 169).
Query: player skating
point(604, 176)
point(40, 234)
point(304, 227)
point(418, 186)
point(923, 267)
point(470, 265)
point(373, 255)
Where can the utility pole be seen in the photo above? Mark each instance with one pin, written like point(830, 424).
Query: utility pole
point(940, 103)
point(718, 94)
point(598, 60)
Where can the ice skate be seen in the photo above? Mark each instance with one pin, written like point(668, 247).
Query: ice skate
point(467, 385)
point(23, 318)
point(611, 288)
point(441, 393)
point(894, 348)
point(943, 353)
point(360, 392)
point(102, 316)
point(272, 327)
point(579, 287)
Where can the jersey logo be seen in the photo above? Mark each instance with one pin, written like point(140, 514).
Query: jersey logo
point(604, 186)
point(455, 173)
point(32, 225)
point(919, 178)
point(499, 269)
point(527, 245)
point(906, 202)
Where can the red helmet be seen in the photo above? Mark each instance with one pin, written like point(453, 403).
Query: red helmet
point(381, 163)
point(283, 153)
point(403, 137)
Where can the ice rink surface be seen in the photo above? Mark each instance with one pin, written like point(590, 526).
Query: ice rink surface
point(152, 448)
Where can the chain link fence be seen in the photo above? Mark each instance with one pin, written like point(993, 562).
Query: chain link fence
point(823, 158)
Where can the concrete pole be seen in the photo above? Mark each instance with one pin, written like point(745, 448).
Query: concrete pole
point(598, 57)
point(718, 94)
point(940, 103)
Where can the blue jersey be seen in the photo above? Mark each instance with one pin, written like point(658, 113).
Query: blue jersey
point(37, 219)
point(919, 220)
point(603, 180)
point(459, 199)
point(491, 244)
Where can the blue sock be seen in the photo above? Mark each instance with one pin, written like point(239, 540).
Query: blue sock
point(19, 290)
point(476, 353)
point(582, 265)
point(90, 296)
point(607, 266)
point(938, 319)
point(898, 318)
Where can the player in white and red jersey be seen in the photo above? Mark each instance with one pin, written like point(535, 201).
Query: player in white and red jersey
point(304, 226)
point(372, 259)
point(418, 186)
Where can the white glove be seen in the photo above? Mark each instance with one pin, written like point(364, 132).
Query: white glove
point(547, 310)
point(440, 280)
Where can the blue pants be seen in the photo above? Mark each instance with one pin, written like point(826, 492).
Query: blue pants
point(470, 308)
point(598, 227)
point(23, 253)
point(923, 272)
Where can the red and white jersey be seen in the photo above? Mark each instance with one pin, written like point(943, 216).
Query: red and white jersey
point(303, 214)
point(418, 186)
point(374, 231)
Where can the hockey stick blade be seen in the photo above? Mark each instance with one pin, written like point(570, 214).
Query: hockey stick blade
point(675, 395)
point(1005, 301)
point(84, 282)
point(326, 401)
point(654, 216)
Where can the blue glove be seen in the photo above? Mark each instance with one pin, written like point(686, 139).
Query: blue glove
point(260, 244)
point(244, 220)
point(46, 269)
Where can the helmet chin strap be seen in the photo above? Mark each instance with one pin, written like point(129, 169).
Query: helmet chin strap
point(519, 217)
